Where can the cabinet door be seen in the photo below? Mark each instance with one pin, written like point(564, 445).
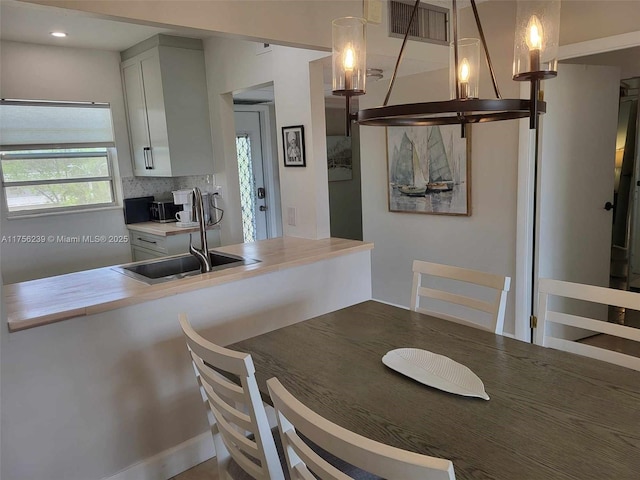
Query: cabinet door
point(186, 108)
point(137, 116)
point(167, 101)
point(160, 162)
point(138, 254)
point(177, 244)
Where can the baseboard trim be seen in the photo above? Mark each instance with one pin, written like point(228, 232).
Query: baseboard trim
point(404, 307)
point(171, 462)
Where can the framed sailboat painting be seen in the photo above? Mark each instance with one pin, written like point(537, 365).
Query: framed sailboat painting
point(429, 170)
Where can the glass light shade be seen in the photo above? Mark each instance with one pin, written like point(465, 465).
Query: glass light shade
point(349, 56)
point(537, 36)
point(619, 157)
point(468, 68)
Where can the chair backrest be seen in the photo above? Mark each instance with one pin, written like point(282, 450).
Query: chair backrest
point(235, 410)
point(495, 308)
point(607, 296)
point(295, 419)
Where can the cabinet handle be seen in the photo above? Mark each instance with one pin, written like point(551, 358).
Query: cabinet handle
point(151, 165)
point(148, 158)
point(145, 240)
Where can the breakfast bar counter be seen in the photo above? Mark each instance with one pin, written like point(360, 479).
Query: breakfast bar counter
point(110, 390)
point(48, 300)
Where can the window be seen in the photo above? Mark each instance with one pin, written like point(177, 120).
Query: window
point(55, 156)
point(247, 187)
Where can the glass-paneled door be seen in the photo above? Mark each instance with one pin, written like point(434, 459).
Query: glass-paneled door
point(253, 196)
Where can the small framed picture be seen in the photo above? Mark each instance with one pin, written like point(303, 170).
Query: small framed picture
point(293, 144)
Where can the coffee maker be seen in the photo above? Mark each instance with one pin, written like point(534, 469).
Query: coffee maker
point(185, 199)
point(187, 214)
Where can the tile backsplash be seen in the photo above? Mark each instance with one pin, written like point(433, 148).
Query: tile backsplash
point(161, 187)
point(203, 182)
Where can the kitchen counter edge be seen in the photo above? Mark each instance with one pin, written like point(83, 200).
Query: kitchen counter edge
point(49, 300)
point(165, 229)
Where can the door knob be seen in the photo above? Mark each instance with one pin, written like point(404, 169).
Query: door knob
point(263, 208)
point(608, 206)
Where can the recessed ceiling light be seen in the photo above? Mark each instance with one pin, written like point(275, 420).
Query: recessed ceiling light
point(59, 34)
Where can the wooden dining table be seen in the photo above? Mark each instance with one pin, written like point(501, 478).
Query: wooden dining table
point(551, 414)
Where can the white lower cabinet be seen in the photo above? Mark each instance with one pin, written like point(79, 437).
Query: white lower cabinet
point(146, 246)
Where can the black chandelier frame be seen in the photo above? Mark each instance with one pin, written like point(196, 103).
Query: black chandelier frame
point(461, 111)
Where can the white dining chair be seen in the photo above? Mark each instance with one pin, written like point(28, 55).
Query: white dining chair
point(497, 286)
point(296, 421)
point(236, 413)
point(549, 336)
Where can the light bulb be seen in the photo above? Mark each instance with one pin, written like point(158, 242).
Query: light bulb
point(533, 38)
point(349, 59)
point(534, 33)
point(464, 70)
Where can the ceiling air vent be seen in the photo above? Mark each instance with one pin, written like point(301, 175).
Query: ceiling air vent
point(430, 24)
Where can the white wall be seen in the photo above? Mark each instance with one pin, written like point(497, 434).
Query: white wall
point(627, 59)
point(233, 65)
point(486, 239)
point(40, 72)
point(86, 398)
point(583, 20)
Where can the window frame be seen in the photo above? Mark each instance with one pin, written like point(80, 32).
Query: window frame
point(109, 153)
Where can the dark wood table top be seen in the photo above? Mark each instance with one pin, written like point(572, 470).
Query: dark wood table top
point(552, 415)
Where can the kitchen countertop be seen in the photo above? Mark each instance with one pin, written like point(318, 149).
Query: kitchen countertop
point(164, 229)
point(53, 299)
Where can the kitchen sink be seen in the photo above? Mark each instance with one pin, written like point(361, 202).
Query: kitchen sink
point(167, 269)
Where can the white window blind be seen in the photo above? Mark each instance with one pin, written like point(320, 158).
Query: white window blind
point(25, 124)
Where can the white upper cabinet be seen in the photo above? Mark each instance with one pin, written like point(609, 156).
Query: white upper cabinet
point(167, 107)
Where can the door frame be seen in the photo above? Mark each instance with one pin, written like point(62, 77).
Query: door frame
point(269, 163)
point(526, 154)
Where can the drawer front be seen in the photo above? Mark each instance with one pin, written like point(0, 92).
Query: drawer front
point(151, 242)
point(139, 254)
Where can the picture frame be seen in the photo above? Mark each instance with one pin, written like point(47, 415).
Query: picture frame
point(339, 158)
point(293, 146)
point(429, 170)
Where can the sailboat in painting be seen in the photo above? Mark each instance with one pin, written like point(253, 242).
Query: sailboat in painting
point(440, 178)
point(407, 174)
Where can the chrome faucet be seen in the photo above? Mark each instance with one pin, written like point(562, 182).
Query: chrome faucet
point(201, 254)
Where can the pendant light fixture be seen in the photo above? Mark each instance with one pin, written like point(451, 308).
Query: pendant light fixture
point(349, 60)
point(535, 59)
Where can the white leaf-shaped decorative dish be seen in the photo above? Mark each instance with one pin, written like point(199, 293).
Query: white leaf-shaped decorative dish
point(436, 371)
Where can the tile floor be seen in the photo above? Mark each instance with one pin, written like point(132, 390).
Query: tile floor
point(205, 471)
